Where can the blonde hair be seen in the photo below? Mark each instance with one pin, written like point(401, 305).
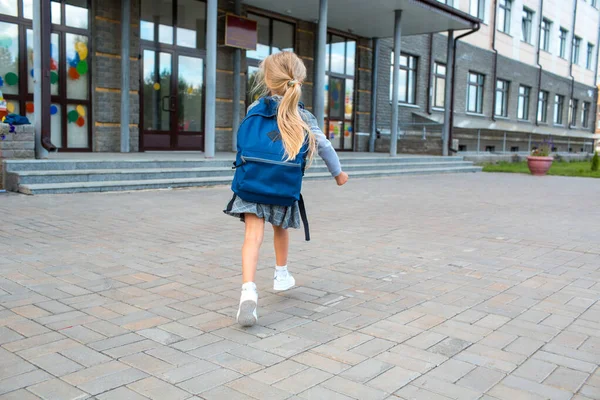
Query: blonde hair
point(282, 74)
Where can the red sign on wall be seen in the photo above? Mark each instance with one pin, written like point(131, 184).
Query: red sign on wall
point(241, 32)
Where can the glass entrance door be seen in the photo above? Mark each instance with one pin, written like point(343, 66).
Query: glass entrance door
point(338, 122)
point(172, 75)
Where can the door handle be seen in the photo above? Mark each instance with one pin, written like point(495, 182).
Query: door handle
point(168, 108)
point(173, 103)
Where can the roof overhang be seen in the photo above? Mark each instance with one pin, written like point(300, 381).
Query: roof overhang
point(375, 18)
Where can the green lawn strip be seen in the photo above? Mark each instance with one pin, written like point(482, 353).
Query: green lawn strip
point(578, 168)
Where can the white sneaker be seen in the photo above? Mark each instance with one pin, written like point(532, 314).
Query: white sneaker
point(283, 280)
point(246, 315)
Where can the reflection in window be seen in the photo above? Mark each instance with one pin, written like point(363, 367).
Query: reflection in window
point(439, 85)
point(408, 79)
point(191, 76)
point(55, 63)
point(338, 54)
point(77, 60)
point(77, 126)
point(9, 7)
point(9, 57)
point(282, 37)
point(191, 24)
point(155, 15)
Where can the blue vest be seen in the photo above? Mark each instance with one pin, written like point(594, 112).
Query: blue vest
point(262, 174)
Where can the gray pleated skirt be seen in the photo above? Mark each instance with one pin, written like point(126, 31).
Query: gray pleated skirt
point(285, 217)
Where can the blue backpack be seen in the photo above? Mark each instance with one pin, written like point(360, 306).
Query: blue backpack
point(262, 175)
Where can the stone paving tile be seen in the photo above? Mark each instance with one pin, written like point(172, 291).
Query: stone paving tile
point(488, 310)
point(56, 389)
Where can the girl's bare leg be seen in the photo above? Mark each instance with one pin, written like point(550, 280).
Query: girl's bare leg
point(255, 230)
point(281, 241)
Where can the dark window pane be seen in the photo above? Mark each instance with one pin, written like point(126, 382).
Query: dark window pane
point(283, 36)
point(191, 24)
point(263, 46)
point(191, 82)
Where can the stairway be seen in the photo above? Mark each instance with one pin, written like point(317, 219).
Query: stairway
point(75, 176)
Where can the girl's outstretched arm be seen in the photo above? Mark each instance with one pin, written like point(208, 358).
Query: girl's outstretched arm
point(324, 147)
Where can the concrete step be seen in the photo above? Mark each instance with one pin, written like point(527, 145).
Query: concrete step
point(106, 186)
point(71, 165)
point(141, 174)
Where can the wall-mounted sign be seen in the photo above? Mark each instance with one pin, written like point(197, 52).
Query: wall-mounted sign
point(241, 32)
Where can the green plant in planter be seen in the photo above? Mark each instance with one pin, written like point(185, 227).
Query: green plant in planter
point(542, 151)
point(595, 162)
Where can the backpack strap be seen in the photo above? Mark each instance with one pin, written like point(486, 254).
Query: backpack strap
point(304, 219)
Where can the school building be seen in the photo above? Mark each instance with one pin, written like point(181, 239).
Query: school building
point(513, 71)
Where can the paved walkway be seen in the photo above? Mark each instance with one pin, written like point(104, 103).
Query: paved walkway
point(439, 287)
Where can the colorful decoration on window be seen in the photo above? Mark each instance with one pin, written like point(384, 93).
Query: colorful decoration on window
point(348, 130)
point(77, 61)
point(10, 107)
point(1, 82)
point(53, 110)
point(77, 115)
point(11, 78)
point(82, 67)
point(156, 86)
point(73, 74)
point(30, 108)
point(53, 77)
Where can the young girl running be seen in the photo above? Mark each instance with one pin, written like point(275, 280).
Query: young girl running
point(280, 84)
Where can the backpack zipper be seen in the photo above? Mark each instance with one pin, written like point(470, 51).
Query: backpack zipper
point(267, 161)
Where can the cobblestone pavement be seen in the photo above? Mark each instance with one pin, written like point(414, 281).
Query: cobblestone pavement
point(429, 287)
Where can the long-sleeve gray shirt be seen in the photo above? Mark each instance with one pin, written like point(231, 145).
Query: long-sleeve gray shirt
point(324, 147)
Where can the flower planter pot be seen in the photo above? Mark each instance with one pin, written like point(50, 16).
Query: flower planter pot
point(539, 166)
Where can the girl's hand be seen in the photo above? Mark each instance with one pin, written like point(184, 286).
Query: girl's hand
point(341, 179)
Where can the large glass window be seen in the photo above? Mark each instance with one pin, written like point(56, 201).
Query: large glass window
point(523, 105)
point(439, 85)
point(542, 110)
point(504, 15)
point(573, 104)
point(526, 25)
point(562, 49)
point(273, 36)
point(545, 34)
point(69, 67)
point(576, 48)
point(339, 91)
point(502, 88)
point(559, 105)
point(408, 79)
point(475, 93)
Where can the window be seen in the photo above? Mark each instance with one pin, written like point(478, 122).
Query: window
point(585, 115)
point(559, 103)
point(439, 85)
point(562, 51)
point(575, 53)
point(514, 149)
point(475, 93)
point(545, 34)
point(447, 2)
point(573, 103)
point(523, 105)
point(594, 3)
point(477, 9)
point(274, 36)
point(69, 68)
point(490, 149)
point(408, 79)
point(589, 60)
point(502, 98)
point(526, 24)
point(504, 13)
point(542, 111)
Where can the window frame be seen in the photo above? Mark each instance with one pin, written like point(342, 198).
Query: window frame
point(504, 93)
point(505, 7)
point(527, 25)
point(545, 34)
point(575, 50)
point(480, 4)
point(559, 109)
point(573, 106)
point(585, 114)
point(523, 103)
point(479, 92)
point(563, 37)
point(62, 30)
point(408, 70)
point(437, 78)
point(590, 56)
point(271, 18)
point(542, 107)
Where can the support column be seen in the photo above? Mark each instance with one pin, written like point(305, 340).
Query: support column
point(211, 78)
point(237, 63)
point(125, 73)
point(320, 54)
point(396, 82)
point(504, 143)
point(41, 72)
point(448, 93)
point(374, 73)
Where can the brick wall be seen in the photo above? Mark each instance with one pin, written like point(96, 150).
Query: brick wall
point(106, 76)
